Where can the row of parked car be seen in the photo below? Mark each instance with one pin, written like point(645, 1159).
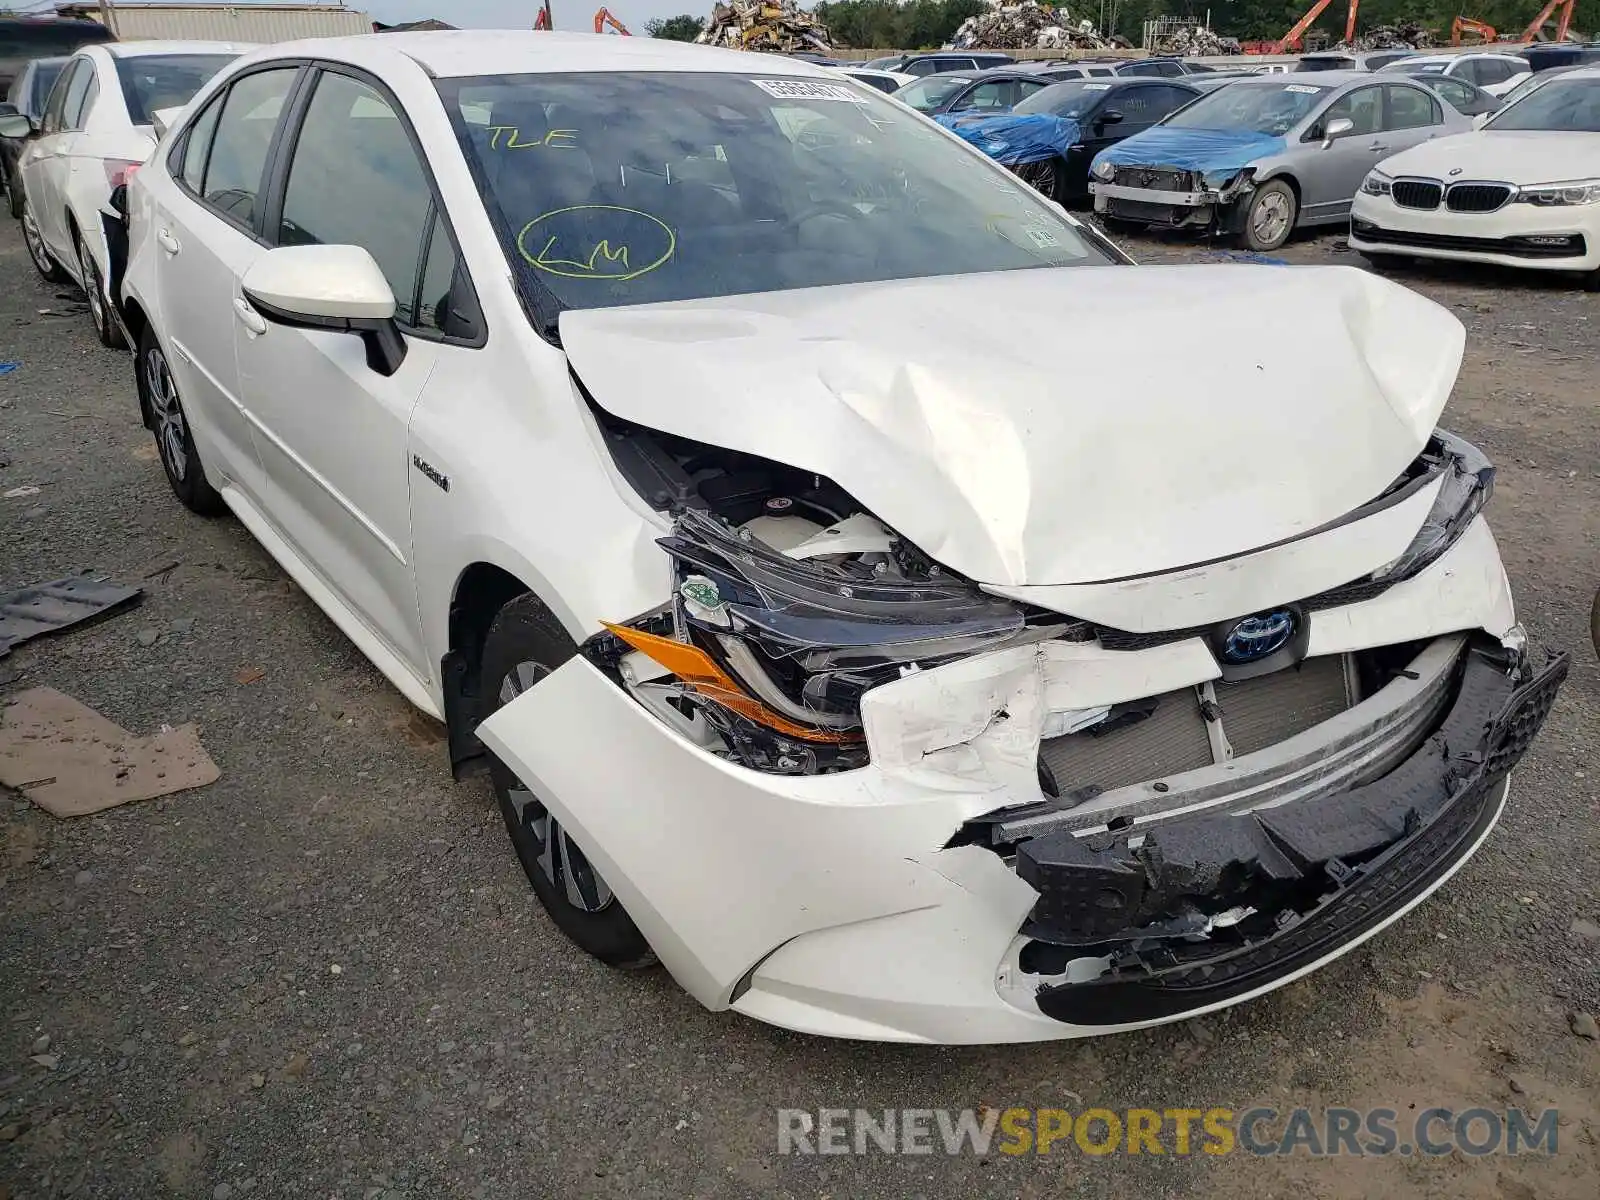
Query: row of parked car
point(1494, 163)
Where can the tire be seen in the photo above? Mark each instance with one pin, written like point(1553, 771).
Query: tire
point(525, 643)
point(1047, 177)
point(1386, 262)
point(94, 291)
point(1268, 220)
point(1594, 623)
point(37, 252)
point(158, 396)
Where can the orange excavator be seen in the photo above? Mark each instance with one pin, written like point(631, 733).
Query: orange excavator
point(1481, 30)
point(604, 18)
point(1291, 40)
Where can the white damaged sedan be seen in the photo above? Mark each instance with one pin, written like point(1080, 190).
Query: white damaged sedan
point(880, 602)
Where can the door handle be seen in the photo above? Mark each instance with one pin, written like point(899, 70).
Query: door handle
point(1378, 147)
point(249, 317)
point(167, 242)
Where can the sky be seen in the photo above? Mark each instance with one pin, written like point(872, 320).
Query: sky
point(574, 15)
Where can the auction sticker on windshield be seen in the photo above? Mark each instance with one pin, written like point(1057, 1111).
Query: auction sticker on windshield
point(1301, 89)
point(1097, 87)
point(805, 89)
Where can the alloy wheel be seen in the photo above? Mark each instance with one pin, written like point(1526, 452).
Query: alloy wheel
point(89, 274)
point(1040, 176)
point(559, 859)
point(1270, 219)
point(170, 429)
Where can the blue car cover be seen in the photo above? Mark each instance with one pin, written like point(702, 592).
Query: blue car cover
point(1016, 138)
point(1204, 150)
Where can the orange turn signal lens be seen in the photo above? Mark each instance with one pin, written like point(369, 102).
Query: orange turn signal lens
point(701, 672)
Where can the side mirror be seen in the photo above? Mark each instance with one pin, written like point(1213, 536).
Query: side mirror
point(1337, 128)
point(337, 288)
point(7, 109)
point(1111, 116)
point(1482, 119)
point(14, 125)
point(119, 200)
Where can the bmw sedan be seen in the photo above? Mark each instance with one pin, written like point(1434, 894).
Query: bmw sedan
point(686, 429)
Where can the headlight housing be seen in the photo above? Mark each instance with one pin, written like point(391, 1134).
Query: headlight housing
point(1468, 484)
point(1376, 184)
point(1103, 170)
point(1556, 195)
point(1219, 180)
point(775, 652)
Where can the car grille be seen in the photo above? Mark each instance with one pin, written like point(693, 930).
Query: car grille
point(1158, 178)
point(1256, 713)
point(1476, 197)
point(1416, 193)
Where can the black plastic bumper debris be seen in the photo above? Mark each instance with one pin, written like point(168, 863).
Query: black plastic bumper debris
point(1320, 871)
point(51, 607)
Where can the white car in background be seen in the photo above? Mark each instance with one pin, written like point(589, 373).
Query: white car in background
point(1496, 74)
point(1523, 191)
point(885, 81)
point(878, 675)
point(96, 130)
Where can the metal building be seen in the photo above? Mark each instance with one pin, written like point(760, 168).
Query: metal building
point(224, 22)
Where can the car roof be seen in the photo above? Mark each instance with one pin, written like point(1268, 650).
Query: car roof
point(458, 53)
point(151, 49)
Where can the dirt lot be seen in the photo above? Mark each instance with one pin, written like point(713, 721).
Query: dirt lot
point(325, 975)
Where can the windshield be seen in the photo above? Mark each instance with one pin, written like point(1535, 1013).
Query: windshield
point(1529, 82)
point(1562, 105)
point(153, 82)
point(925, 95)
point(45, 74)
point(1071, 99)
point(630, 188)
point(885, 64)
point(1405, 67)
point(1262, 106)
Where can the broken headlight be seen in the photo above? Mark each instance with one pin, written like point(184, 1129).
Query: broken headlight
point(774, 650)
point(1468, 484)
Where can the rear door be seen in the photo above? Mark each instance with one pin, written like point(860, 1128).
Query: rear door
point(205, 220)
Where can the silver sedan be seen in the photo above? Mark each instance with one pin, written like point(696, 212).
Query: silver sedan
point(1262, 157)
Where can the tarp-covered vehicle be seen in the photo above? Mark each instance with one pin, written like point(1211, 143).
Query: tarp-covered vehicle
point(1261, 157)
point(1050, 137)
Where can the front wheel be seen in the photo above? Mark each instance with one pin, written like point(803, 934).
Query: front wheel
point(1044, 177)
point(13, 190)
point(1386, 262)
point(1594, 623)
point(524, 644)
point(37, 251)
point(1270, 216)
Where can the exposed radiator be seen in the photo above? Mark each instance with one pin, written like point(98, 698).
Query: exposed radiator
point(1256, 713)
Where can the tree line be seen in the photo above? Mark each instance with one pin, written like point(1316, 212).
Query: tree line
point(926, 24)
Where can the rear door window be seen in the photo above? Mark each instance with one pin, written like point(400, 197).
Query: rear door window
point(73, 96)
point(243, 139)
point(1411, 108)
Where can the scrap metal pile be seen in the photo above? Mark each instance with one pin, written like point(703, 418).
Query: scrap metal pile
point(1026, 26)
point(1408, 35)
point(1194, 40)
point(780, 25)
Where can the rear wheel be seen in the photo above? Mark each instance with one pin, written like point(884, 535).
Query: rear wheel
point(34, 240)
point(158, 394)
point(94, 289)
point(1270, 216)
point(524, 644)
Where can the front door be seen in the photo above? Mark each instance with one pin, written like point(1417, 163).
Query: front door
point(47, 159)
point(1334, 173)
point(332, 433)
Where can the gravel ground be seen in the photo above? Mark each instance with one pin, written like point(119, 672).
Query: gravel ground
point(326, 975)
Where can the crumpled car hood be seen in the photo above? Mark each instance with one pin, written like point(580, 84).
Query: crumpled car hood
point(1054, 426)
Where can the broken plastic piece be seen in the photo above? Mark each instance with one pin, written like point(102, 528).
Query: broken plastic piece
point(51, 607)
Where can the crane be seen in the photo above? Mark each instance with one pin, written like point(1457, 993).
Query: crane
point(543, 20)
point(1531, 34)
point(604, 18)
point(1292, 38)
